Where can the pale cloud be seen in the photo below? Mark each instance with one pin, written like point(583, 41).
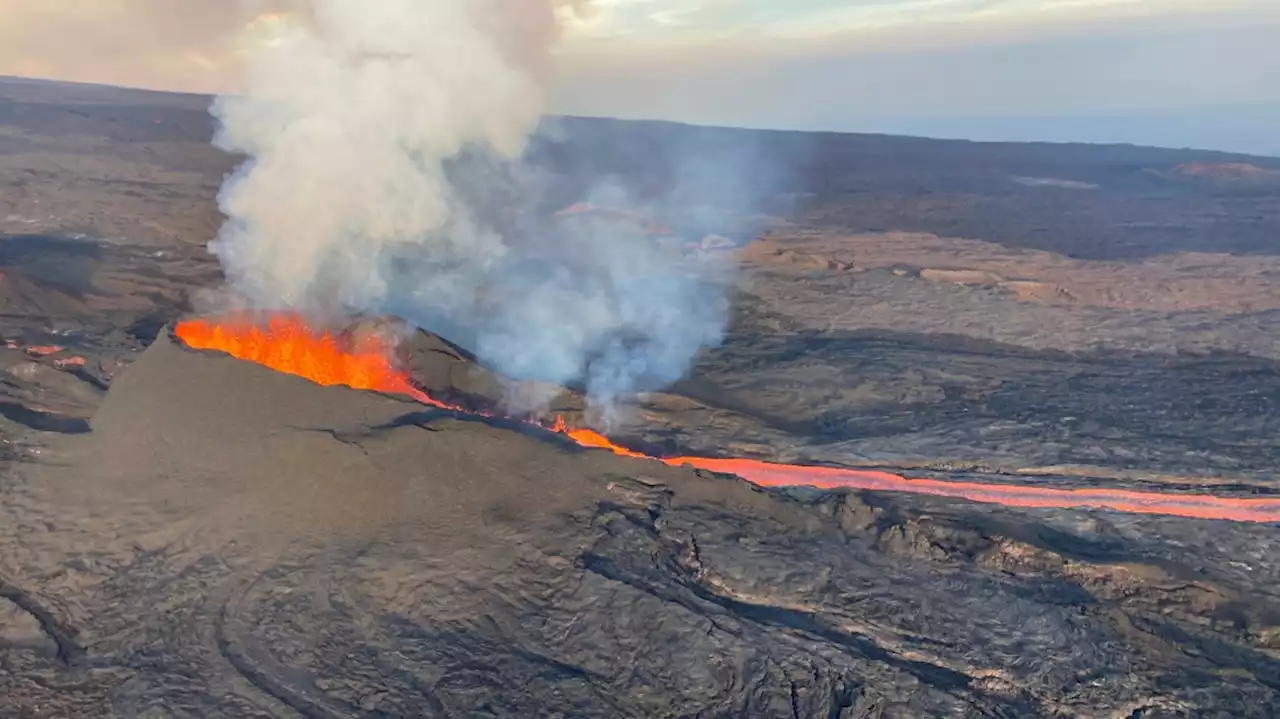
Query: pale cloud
point(125, 42)
point(656, 22)
point(189, 44)
point(799, 63)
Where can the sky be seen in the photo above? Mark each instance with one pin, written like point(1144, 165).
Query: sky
point(1200, 73)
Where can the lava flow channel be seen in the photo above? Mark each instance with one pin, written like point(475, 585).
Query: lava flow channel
point(285, 343)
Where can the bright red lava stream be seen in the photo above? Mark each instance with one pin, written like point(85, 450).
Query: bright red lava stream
point(285, 343)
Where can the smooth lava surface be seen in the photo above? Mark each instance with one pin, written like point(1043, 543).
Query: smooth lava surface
point(285, 343)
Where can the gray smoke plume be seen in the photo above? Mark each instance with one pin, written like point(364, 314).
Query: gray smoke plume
point(382, 136)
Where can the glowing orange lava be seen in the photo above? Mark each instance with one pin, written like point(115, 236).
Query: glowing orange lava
point(286, 344)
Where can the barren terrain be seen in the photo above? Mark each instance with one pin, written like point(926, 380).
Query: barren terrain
point(187, 535)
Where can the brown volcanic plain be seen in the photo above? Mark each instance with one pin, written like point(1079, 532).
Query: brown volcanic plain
point(186, 535)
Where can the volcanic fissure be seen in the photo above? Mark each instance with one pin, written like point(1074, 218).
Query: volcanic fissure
point(286, 343)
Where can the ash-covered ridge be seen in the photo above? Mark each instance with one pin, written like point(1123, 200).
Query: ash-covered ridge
point(248, 543)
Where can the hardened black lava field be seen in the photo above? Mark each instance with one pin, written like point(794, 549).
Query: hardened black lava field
point(183, 534)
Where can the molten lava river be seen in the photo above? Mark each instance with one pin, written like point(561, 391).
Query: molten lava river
point(285, 343)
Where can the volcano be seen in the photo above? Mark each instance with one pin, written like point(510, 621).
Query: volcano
point(992, 504)
point(257, 543)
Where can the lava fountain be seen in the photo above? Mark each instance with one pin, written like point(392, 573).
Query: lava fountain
point(286, 343)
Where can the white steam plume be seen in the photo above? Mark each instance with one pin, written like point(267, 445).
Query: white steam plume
point(354, 115)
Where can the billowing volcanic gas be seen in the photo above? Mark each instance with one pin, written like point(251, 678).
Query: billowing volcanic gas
point(363, 120)
point(287, 344)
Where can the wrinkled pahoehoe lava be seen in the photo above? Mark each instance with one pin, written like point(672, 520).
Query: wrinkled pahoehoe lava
point(250, 543)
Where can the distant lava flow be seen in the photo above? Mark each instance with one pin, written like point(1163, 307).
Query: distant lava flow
point(285, 343)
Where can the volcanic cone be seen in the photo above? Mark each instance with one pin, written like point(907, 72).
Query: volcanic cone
point(203, 430)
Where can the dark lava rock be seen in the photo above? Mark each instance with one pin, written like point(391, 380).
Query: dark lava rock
point(230, 541)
